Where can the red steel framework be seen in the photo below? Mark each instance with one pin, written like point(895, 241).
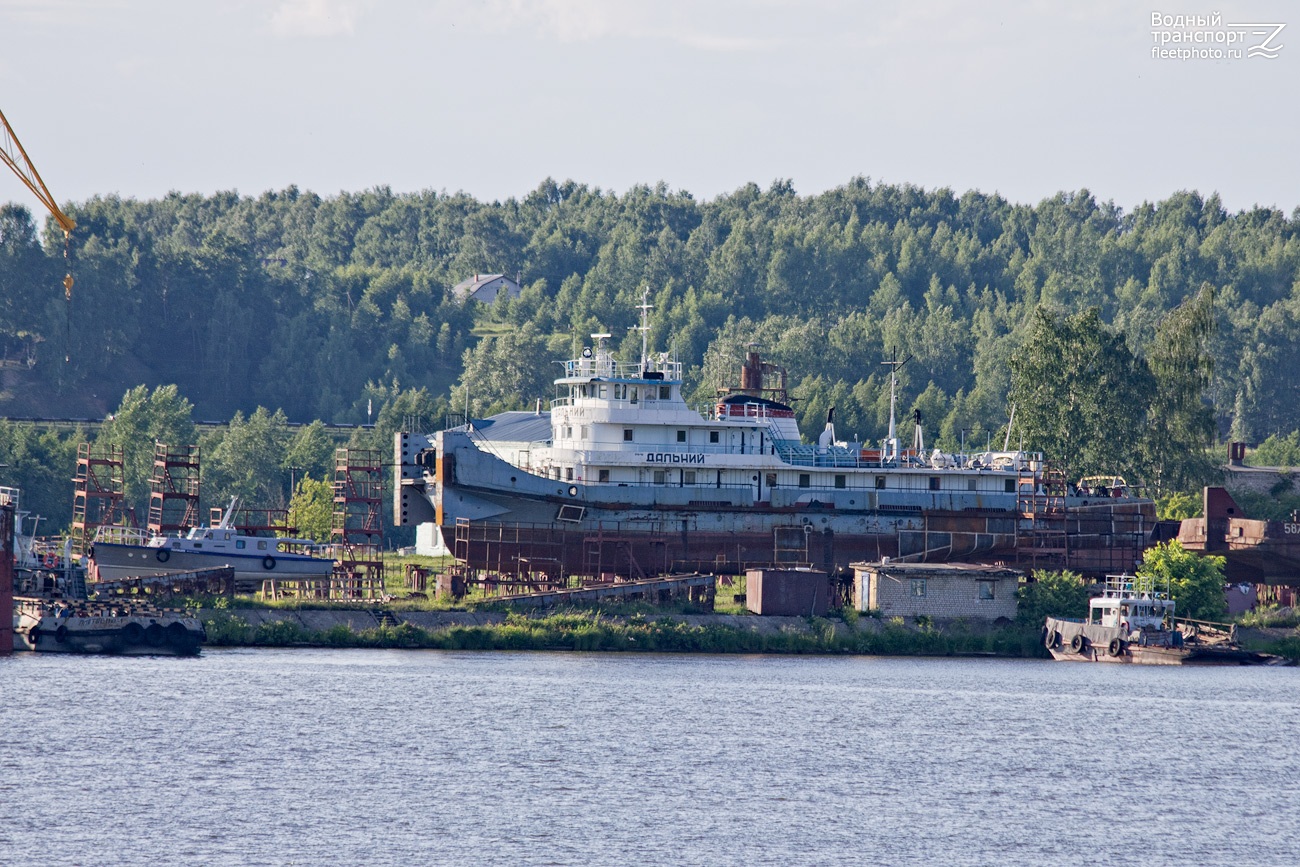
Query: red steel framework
point(174, 489)
point(357, 529)
point(98, 492)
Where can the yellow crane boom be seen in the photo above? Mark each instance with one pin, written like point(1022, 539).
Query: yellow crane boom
point(15, 156)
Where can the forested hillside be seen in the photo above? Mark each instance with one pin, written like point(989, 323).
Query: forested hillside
point(316, 306)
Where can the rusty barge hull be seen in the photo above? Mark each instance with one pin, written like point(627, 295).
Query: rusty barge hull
point(495, 516)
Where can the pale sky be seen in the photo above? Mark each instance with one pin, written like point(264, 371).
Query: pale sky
point(140, 97)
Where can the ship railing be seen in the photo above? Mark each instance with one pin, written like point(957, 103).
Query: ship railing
point(604, 367)
point(122, 535)
point(703, 485)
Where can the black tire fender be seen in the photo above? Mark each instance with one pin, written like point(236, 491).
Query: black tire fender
point(1079, 643)
point(155, 635)
point(163, 555)
point(1116, 647)
point(132, 633)
point(178, 636)
point(268, 562)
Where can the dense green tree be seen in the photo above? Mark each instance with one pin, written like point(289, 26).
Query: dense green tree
point(1051, 594)
point(248, 461)
point(142, 419)
point(505, 371)
point(1195, 582)
point(1080, 395)
point(312, 508)
point(1180, 423)
point(310, 452)
point(1278, 451)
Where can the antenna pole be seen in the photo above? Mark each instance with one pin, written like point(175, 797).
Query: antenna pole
point(646, 307)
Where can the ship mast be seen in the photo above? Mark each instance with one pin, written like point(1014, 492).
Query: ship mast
point(891, 441)
point(645, 307)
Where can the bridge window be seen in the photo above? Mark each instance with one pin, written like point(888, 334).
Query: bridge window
point(604, 475)
point(681, 436)
point(713, 436)
point(665, 392)
point(688, 477)
point(660, 476)
point(880, 483)
point(840, 480)
point(568, 474)
point(934, 483)
point(627, 434)
point(1009, 485)
point(805, 480)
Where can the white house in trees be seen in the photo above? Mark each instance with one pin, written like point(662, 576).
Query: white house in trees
point(486, 288)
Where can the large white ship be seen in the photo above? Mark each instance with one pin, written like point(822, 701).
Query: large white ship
point(621, 476)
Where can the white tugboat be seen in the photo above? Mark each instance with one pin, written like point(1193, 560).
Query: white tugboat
point(1133, 622)
point(623, 476)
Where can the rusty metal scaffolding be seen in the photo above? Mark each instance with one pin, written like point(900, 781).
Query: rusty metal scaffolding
point(1042, 540)
point(174, 489)
point(516, 558)
point(98, 493)
point(357, 530)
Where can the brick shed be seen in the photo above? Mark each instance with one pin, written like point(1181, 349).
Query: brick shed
point(938, 590)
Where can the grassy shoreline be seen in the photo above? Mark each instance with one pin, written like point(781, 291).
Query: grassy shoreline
point(593, 630)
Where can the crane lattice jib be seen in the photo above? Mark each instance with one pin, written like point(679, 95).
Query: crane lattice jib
point(14, 156)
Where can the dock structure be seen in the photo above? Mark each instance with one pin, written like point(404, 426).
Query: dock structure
point(696, 588)
point(208, 582)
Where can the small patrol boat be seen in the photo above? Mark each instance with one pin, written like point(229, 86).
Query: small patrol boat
point(1133, 622)
point(125, 553)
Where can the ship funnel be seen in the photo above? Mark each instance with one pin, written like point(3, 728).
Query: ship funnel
point(751, 374)
point(827, 438)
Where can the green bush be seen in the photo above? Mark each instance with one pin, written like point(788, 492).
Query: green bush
point(1051, 594)
point(1195, 582)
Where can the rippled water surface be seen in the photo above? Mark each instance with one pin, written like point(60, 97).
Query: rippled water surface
point(402, 757)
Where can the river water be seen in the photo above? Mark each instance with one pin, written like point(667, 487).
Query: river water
point(412, 757)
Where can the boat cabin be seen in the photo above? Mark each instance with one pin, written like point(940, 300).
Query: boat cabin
point(1131, 603)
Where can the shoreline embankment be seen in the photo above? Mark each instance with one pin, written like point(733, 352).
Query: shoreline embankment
point(595, 630)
